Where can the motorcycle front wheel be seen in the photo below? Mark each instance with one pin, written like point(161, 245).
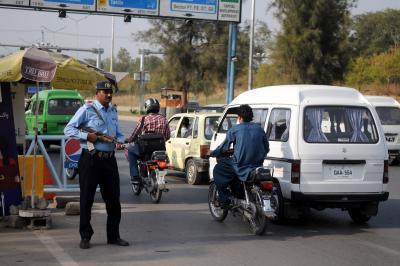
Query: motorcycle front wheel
point(156, 193)
point(71, 173)
point(216, 211)
point(136, 189)
point(258, 221)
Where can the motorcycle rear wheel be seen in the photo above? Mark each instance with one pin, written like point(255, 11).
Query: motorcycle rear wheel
point(156, 193)
point(217, 212)
point(136, 189)
point(258, 221)
point(71, 173)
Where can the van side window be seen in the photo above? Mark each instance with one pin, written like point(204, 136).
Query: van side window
point(338, 124)
point(33, 106)
point(259, 116)
point(186, 128)
point(173, 123)
point(228, 121)
point(196, 128)
point(278, 125)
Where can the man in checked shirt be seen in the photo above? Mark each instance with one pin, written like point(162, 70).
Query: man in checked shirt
point(152, 122)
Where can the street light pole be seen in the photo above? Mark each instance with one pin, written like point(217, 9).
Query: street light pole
point(112, 44)
point(250, 78)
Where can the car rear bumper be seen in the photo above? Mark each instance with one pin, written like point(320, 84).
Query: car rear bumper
point(202, 164)
point(339, 198)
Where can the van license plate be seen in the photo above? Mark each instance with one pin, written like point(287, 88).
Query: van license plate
point(342, 172)
point(390, 139)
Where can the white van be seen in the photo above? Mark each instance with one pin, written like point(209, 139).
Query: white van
point(388, 110)
point(327, 148)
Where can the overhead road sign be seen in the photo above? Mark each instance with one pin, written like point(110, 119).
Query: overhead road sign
point(129, 7)
point(76, 5)
point(222, 10)
point(24, 3)
point(195, 9)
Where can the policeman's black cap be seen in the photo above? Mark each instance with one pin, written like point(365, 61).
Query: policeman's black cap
point(104, 85)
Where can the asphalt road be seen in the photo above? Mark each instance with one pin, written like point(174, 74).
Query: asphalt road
point(180, 231)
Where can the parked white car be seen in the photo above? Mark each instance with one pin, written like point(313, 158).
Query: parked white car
point(388, 110)
point(327, 148)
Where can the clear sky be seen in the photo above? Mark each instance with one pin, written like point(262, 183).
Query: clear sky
point(92, 31)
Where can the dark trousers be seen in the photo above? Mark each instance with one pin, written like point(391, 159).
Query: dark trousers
point(224, 177)
point(93, 171)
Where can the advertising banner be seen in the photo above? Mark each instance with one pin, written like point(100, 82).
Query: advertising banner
point(129, 7)
point(10, 187)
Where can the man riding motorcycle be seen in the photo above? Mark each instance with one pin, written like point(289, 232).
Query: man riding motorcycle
point(250, 145)
point(152, 122)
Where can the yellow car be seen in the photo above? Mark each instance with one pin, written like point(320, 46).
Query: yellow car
point(189, 144)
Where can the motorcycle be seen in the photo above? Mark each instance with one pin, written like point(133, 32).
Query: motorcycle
point(152, 175)
point(254, 200)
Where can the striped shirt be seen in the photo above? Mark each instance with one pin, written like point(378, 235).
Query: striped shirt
point(153, 123)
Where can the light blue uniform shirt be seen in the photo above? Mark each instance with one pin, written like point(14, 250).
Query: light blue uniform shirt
point(87, 117)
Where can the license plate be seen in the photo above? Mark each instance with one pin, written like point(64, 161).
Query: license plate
point(342, 172)
point(390, 139)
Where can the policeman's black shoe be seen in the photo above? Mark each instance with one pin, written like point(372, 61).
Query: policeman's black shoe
point(118, 242)
point(135, 180)
point(85, 244)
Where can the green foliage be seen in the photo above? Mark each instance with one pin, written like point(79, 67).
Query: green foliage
point(312, 46)
point(377, 32)
point(382, 69)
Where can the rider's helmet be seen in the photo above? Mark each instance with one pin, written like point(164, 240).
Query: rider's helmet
point(152, 106)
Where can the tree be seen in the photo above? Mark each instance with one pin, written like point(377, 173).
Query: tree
point(194, 52)
point(374, 33)
point(312, 45)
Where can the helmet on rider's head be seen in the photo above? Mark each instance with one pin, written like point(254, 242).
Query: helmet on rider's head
point(152, 106)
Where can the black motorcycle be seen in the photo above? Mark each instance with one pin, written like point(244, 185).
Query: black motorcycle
point(254, 200)
point(152, 176)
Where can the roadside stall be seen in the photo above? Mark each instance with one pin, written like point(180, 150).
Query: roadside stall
point(70, 74)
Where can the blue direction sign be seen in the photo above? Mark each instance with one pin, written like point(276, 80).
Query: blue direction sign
point(138, 7)
point(79, 5)
point(199, 9)
point(23, 3)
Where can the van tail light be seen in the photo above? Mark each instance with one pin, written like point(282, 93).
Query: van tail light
point(386, 172)
point(204, 149)
point(295, 179)
point(44, 127)
point(162, 164)
point(266, 185)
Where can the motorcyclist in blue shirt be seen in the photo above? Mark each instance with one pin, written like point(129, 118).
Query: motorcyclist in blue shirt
point(250, 146)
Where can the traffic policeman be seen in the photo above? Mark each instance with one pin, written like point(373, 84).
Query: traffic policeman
point(97, 164)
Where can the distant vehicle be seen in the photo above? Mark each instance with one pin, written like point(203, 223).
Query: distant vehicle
point(187, 151)
point(388, 110)
point(56, 108)
point(327, 148)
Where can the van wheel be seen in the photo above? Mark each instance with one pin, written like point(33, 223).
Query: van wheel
point(395, 161)
point(193, 177)
point(277, 203)
point(358, 216)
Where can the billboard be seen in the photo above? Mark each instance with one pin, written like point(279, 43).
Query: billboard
point(222, 10)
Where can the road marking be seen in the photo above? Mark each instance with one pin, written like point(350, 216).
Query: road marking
point(54, 248)
point(382, 248)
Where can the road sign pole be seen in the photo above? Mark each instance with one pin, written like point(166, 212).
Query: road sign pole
point(230, 84)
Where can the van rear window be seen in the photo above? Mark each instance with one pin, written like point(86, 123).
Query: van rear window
point(63, 106)
point(338, 124)
point(389, 115)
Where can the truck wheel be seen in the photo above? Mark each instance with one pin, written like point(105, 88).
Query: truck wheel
point(193, 177)
point(358, 216)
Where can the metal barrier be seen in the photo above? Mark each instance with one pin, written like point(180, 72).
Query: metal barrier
point(61, 182)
